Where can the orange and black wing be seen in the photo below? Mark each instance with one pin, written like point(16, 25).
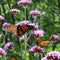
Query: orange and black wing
point(22, 29)
point(11, 28)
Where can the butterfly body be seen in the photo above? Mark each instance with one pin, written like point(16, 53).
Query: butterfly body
point(42, 43)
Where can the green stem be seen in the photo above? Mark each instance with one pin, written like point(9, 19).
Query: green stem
point(4, 39)
point(18, 42)
point(25, 13)
point(35, 19)
point(25, 41)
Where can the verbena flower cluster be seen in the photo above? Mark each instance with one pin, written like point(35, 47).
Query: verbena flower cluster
point(5, 24)
point(15, 11)
point(54, 55)
point(35, 49)
point(23, 2)
point(55, 37)
point(9, 45)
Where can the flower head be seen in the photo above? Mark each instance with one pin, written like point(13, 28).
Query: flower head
point(55, 37)
point(35, 13)
point(53, 55)
point(2, 52)
point(35, 26)
point(21, 39)
point(6, 24)
point(23, 2)
point(23, 23)
point(38, 33)
point(9, 45)
point(35, 49)
point(1, 18)
point(39, 49)
point(15, 11)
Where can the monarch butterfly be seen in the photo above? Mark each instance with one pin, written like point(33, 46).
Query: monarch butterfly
point(18, 30)
point(42, 43)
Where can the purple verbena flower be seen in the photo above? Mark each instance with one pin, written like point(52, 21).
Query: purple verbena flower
point(35, 13)
point(1, 18)
point(40, 50)
point(38, 33)
point(23, 2)
point(21, 39)
point(52, 55)
point(9, 45)
point(5, 25)
point(35, 25)
point(21, 23)
point(2, 52)
point(35, 49)
point(55, 37)
point(14, 11)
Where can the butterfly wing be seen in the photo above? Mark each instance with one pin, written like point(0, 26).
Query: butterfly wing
point(18, 30)
point(23, 29)
point(38, 40)
point(11, 29)
point(42, 43)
